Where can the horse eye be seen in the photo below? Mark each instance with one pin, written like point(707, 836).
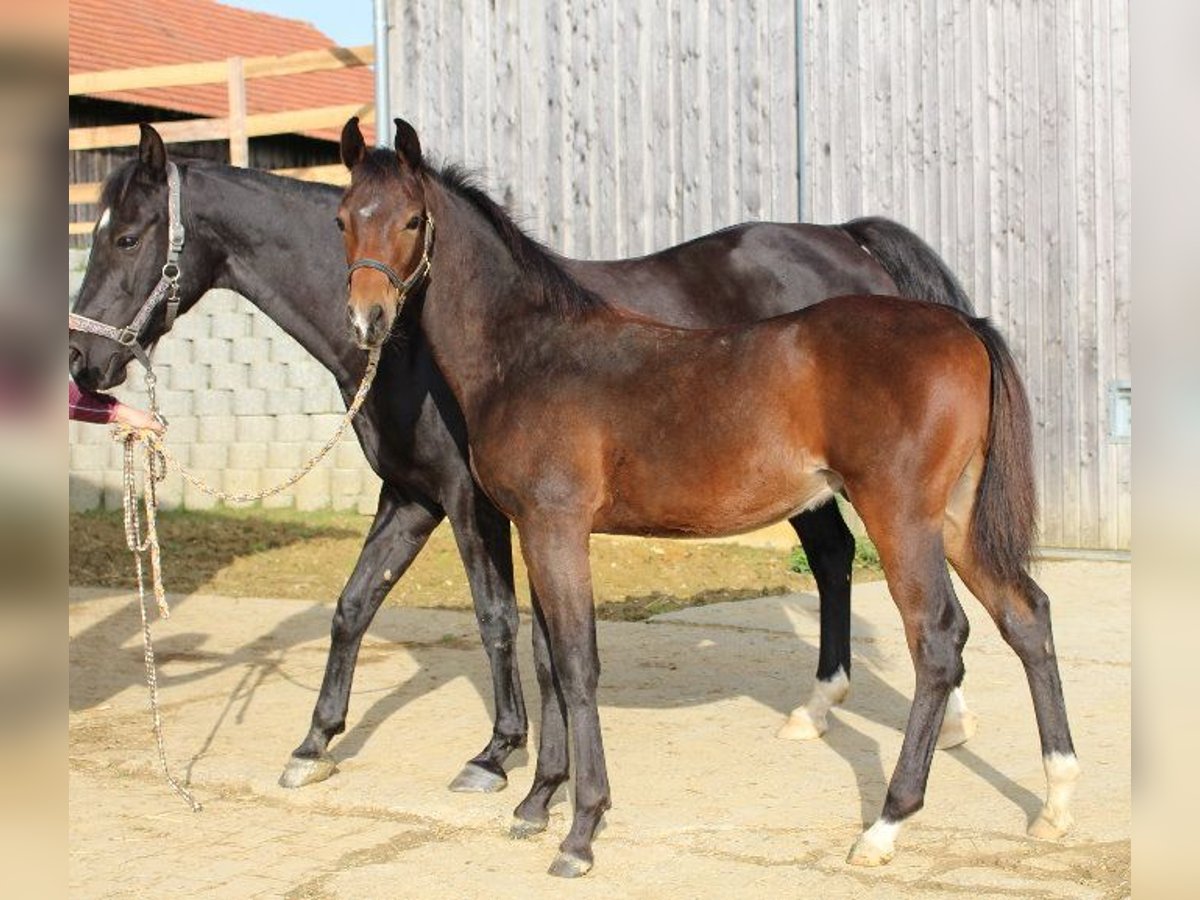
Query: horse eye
point(414, 223)
point(340, 224)
point(127, 241)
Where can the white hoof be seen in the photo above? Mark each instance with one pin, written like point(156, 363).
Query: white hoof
point(957, 730)
point(801, 726)
point(876, 846)
point(810, 721)
point(1050, 824)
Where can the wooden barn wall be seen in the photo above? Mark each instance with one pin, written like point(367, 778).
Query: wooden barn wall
point(614, 129)
point(997, 130)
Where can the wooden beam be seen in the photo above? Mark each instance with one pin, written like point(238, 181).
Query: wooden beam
point(84, 192)
point(218, 129)
point(239, 142)
point(80, 227)
point(212, 72)
point(332, 174)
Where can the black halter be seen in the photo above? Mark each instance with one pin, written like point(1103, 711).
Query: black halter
point(402, 285)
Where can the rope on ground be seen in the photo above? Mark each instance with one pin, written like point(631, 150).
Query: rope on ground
point(155, 461)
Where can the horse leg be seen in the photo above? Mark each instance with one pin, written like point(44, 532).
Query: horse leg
point(397, 534)
point(532, 815)
point(485, 544)
point(556, 554)
point(936, 629)
point(1022, 612)
point(829, 546)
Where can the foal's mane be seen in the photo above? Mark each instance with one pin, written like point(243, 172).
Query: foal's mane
point(560, 292)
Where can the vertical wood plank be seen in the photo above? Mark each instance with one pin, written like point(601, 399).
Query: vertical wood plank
point(239, 144)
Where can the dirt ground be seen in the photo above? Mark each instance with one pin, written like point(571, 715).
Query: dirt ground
point(707, 802)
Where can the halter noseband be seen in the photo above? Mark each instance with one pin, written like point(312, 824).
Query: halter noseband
point(402, 285)
point(167, 289)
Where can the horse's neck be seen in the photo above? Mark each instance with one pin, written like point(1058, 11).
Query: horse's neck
point(281, 253)
point(482, 315)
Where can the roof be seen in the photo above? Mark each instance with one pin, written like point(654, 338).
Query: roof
point(123, 34)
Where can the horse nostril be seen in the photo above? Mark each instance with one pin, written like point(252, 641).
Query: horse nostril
point(75, 362)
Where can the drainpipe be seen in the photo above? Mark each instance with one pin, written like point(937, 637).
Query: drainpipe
point(800, 149)
point(383, 114)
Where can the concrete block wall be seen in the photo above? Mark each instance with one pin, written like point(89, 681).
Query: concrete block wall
point(246, 405)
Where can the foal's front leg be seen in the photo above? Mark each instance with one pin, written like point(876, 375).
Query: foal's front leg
point(556, 553)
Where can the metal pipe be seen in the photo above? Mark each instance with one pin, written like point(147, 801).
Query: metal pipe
point(383, 113)
point(800, 136)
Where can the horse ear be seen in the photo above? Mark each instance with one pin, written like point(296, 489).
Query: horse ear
point(152, 154)
point(408, 145)
point(354, 148)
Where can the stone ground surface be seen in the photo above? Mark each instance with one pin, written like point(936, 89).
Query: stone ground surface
point(707, 801)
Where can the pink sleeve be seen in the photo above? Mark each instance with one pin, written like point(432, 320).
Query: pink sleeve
point(89, 407)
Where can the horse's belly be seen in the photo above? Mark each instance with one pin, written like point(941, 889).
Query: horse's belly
point(692, 507)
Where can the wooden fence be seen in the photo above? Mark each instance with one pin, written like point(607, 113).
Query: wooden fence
point(237, 127)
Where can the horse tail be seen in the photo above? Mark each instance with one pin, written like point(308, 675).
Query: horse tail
point(915, 267)
point(1004, 519)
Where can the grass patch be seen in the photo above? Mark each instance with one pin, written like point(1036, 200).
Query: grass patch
point(309, 556)
point(866, 558)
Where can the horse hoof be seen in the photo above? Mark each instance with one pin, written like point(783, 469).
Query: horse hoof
point(524, 828)
point(867, 852)
point(301, 771)
point(957, 730)
point(475, 779)
point(567, 865)
point(801, 726)
point(1049, 825)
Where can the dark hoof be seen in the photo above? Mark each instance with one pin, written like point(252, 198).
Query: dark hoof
point(475, 779)
point(301, 771)
point(567, 865)
point(523, 828)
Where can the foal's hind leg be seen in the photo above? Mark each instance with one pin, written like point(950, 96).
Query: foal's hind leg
point(936, 630)
point(1022, 612)
point(829, 546)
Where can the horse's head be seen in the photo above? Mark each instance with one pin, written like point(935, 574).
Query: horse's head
point(387, 229)
point(129, 249)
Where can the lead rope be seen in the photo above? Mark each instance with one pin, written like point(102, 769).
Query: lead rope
point(155, 461)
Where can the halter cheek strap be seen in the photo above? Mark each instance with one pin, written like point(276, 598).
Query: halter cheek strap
point(403, 286)
point(166, 291)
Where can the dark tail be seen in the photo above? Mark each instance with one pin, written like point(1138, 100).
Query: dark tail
point(1004, 520)
point(919, 273)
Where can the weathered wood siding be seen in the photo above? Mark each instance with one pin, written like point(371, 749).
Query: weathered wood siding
point(999, 131)
point(614, 128)
point(996, 129)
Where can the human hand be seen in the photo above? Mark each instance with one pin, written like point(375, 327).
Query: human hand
point(137, 418)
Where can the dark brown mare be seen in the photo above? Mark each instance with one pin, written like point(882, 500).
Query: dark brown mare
point(273, 241)
point(583, 417)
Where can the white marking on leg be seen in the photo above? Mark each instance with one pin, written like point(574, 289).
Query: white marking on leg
point(1055, 819)
point(812, 720)
point(959, 724)
point(105, 218)
point(876, 845)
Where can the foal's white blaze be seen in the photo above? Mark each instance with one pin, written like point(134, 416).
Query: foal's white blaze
point(105, 218)
point(812, 720)
point(876, 845)
point(1062, 771)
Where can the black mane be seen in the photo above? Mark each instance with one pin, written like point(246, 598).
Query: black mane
point(560, 291)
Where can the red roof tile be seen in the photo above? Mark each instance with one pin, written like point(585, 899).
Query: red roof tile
point(120, 34)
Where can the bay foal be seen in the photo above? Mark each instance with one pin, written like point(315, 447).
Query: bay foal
point(583, 417)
